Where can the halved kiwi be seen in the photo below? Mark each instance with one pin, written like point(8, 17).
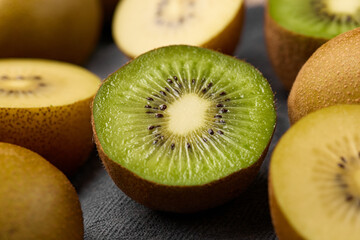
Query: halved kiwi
point(294, 29)
point(315, 177)
point(330, 76)
point(45, 106)
point(37, 201)
point(183, 128)
point(139, 26)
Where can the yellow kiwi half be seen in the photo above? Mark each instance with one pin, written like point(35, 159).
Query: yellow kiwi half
point(37, 201)
point(314, 179)
point(45, 106)
point(139, 26)
point(64, 30)
point(331, 76)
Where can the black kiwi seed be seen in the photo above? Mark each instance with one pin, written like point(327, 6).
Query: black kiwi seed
point(163, 93)
point(211, 132)
point(188, 145)
point(159, 115)
point(204, 90)
point(149, 112)
point(217, 116)
point(204, 139)
point(150, 99)
point(172, 146)
point(227, 100)
point(222, 121)
point(349, 198)
point(167, 89)
point(163, 107)
point(341, 165)
point(222, 94)
point(155, 142)
point(224, 110)
point(209, 85)
point(147, 106)
point(169, 81)
point(220, 132)
point(219, 105)
point(343, 159)
point(151, 127)
point(175, 78)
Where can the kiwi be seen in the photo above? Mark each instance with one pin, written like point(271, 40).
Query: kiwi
point(63, 30)
point(37, 201)
point(294, 29)
point(45, 106)
point(183, 128)
point(331, 76)
point(140, 26)
point(315, 176)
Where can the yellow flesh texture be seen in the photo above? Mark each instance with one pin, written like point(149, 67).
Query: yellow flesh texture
point(304, 168)
point(138, 27)
point(43, 83)
point(347, 7)
point(187, 114)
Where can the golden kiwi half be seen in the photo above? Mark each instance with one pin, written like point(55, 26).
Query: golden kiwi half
point(45, 106)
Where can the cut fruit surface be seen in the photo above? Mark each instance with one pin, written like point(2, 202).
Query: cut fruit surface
point(316, 18)
point(45, 107)
point(314, 184)
point(140, 26)
point(184, 116)
point(41, 83)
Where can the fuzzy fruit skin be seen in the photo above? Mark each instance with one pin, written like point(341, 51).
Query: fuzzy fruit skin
point(37, 201)
point(330, 77)
point(64, 30)
point(287, 50)
point(60, 134)
point(225, 41)
point(283, 228)
point(179, 199)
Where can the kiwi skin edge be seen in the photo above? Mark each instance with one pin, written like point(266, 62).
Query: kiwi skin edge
point(287, 50)
point(179, 199)
point(283, 228)
point(60, 134)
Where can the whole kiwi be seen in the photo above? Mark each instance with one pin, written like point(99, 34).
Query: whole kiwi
point(63, 30)
point(331, 76)
point(37, 201)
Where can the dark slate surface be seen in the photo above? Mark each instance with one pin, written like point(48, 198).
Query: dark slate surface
point(110, 214)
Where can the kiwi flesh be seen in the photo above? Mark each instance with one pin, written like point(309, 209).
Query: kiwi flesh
point(294, 29)
point(140, 26)
point(315, 176)
point(45, 106)
point(183, 128)
point(331, 76)
point(63, 30)
point(37, 201)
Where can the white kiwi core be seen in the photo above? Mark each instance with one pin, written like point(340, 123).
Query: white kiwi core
point(344, 6)
point(187, 114)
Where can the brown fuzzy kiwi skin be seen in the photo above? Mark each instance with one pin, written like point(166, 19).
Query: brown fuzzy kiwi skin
point(330, 77)
point(287, 50)
point(37, 201)
point(283, 228)
point(63, 30)
point(178, 199)
point(225, 41)
point(60, 134)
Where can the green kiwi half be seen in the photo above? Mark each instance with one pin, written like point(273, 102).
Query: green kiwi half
point(183, 128)
point(296, 28)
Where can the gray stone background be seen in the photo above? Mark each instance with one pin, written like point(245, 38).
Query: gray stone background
point(110, 214)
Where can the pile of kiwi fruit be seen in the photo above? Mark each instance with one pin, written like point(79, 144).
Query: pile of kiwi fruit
point(182, 127)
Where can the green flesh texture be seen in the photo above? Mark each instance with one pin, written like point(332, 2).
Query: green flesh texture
point(303, 17)
point(122, 124)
